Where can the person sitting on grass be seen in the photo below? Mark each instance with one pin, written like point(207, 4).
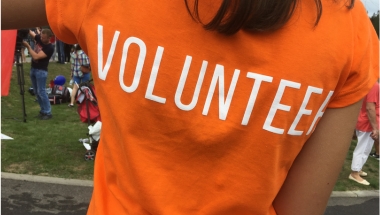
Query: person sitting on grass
point(80, 71)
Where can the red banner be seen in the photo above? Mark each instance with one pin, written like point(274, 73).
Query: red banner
point(8, 42)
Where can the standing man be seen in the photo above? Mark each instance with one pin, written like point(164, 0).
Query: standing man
point(41, 54)
point(367, 131)
point(52, 41)
point(67, 49)
point(60, 50)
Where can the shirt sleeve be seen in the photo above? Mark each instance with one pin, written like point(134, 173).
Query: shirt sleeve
point(72, 64)
point(65, 18)
point(37, 38)
point(48, 50)
point(86, 60)
point(364, 68)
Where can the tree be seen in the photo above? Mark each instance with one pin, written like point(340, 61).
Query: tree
point(375, 22)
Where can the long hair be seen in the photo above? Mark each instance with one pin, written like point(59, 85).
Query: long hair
point(252, 15)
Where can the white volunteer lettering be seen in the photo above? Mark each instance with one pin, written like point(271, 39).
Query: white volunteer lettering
point(303, 110)
point(139, 66)
point(102, 72)
point(224, 102)
point(182, 82)
point(255, 90)
point(320, 113)
point(153, 77)
point(277, 106)
point(224, 105)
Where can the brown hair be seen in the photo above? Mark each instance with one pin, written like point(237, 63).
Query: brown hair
point(252, 15)
point(48, 32)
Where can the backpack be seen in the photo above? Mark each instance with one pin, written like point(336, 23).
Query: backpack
point(55, 99)
point(61, 91)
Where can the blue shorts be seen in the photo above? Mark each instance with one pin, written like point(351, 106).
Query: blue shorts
point(84, 78)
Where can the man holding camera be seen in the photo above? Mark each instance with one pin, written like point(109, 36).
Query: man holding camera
point(41, 54)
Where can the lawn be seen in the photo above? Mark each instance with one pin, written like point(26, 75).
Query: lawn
point(51, 148)
point(371, 167)
point(42, 147)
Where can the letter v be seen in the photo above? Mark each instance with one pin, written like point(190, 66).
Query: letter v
point(102, 72)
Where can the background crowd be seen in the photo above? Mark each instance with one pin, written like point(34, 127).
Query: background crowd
point(44, 47)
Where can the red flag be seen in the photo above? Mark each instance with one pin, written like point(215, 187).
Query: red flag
point(8, 43)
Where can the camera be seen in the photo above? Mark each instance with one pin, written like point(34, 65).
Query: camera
point(22, 34)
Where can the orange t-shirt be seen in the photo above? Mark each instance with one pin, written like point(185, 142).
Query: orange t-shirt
point(363, 123)
point(195, 122)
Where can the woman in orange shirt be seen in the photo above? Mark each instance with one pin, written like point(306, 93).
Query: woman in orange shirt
point(253, 115)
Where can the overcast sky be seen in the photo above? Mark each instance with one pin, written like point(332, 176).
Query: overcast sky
point(372, 6)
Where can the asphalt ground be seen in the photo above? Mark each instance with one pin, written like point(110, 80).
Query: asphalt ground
point(41, 195)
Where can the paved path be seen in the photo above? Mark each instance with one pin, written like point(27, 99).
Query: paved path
point(353, 206)
point(33, 198)
point(39, 195)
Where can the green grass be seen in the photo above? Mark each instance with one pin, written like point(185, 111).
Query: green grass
point(51, 148)
point(42, 147)
point(371, 167)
